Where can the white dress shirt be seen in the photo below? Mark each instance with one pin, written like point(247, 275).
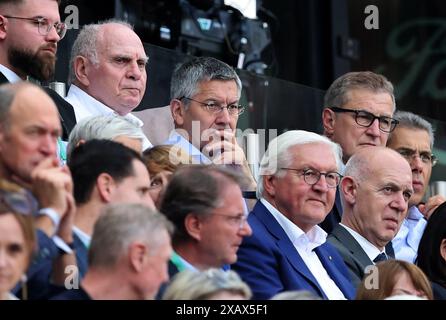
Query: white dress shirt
point(305, 243)
point(408, 237)
point(371, 251)
point(85, 106)
point(10, 75)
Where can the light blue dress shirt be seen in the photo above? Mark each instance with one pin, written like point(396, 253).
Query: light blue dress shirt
point(408, 237)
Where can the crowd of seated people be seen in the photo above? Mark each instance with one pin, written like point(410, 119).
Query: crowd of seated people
point(337, 216)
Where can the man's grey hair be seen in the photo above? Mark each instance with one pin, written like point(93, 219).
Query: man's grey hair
point(106, 127)
point(337, 94)
point(119, 226)
point(8, 92)
point(187, 76)
point(86, 42)
point(279, 155)
point(411, 120)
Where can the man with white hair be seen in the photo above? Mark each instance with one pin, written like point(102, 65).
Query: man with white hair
point(288, 250)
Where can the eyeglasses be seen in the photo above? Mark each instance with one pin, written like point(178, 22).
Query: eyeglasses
point(236, 221)
point(44, 25)
point(17, 202)
point(425, 157)
point(312, 176)
point(216, 108)
point(366, 119)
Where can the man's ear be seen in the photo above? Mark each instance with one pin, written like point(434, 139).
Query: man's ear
point(443, 249)
point(269, 185)
point(178, 112)
point(105, 185)
point(328, 121)
point(81, 67)
point(193, 226)
point(3, 27)
point(349, 189)
point(137, 256)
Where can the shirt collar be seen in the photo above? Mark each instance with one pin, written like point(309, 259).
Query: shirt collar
point(315, 237)
point(85, 105)
point(9, 74)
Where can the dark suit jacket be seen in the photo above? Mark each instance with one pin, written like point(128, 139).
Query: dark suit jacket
point(66, 112)
point(270, 264)
point(354, 256)
point(39, 273)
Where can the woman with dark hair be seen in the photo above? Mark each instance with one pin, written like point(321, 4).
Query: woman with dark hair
point(17, 237)
point(432, 251)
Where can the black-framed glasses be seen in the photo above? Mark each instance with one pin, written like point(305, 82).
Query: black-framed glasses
point(312, 176)
point(44, 25)
point(237, 221)
point(425, 156)
point(17, 202)
point(366, 119)
point(215, 107)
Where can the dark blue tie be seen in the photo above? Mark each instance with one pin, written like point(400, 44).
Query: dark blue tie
point(380, 257)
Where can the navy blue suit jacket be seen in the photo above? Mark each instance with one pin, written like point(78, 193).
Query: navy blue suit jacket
point(270, 264)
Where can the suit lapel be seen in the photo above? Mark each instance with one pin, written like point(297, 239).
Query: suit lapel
point(284, 243)
point(352, 245)
point(3, 79)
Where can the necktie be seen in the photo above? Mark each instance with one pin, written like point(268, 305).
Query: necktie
point(380, 257)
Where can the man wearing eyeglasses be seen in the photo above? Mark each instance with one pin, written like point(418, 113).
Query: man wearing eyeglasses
point(414, 140)
point(358, 114)
point(205, 204)
point(288, 250)
point(205, 95)
point(375, 199)
point(29, 33)
point(108, 72)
